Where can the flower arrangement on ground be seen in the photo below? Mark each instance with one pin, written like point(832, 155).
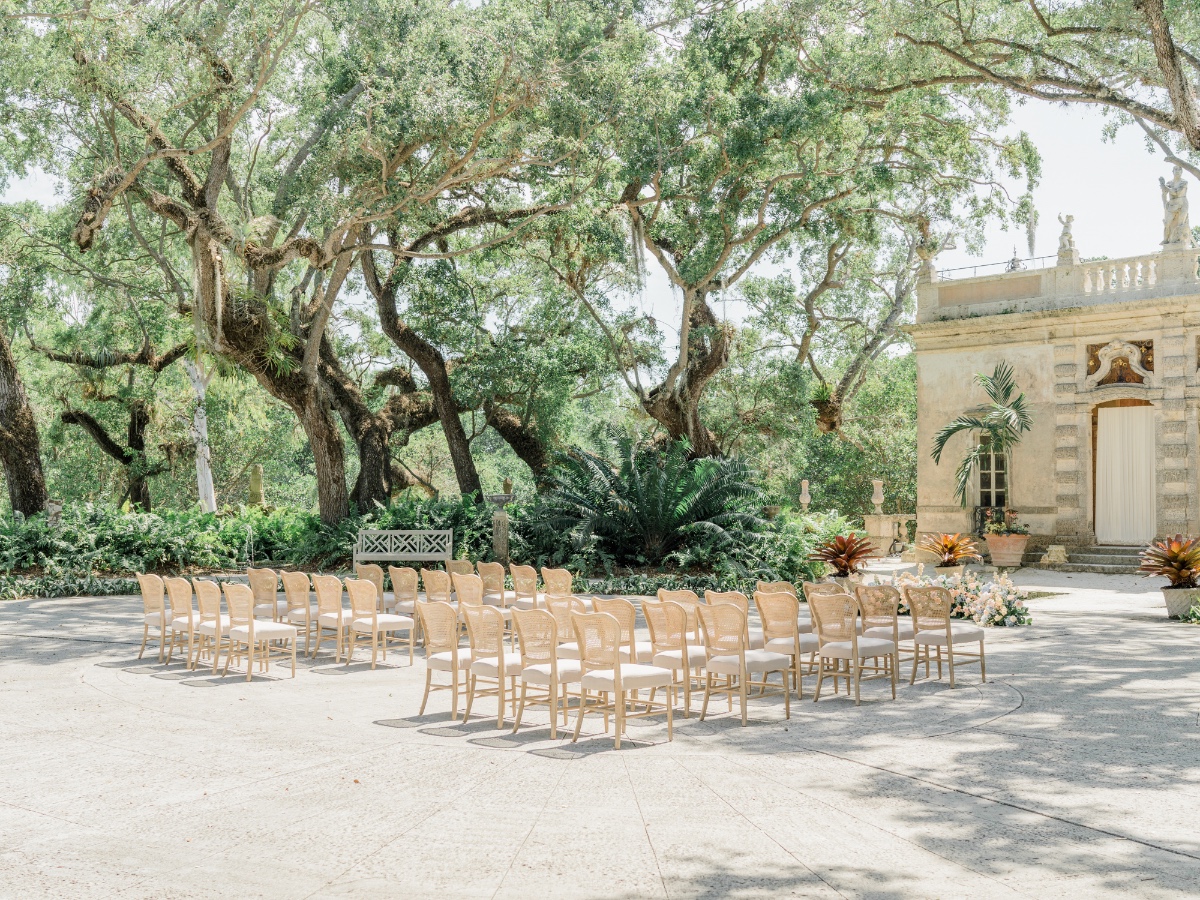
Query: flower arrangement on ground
point(996, 603)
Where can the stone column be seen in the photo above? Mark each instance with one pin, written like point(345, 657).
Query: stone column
point(1171, 463)
point(1070, 450)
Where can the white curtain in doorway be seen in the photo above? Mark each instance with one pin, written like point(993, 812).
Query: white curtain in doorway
point(1125, 475)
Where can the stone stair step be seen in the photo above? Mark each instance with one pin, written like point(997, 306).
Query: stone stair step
point(1097, 569)
point(1103, 559)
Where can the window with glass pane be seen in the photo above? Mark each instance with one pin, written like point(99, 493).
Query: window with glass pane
point(993, 478)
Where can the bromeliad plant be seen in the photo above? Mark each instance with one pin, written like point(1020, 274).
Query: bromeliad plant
point(1000, 424)
point(1177, 559)
point(950, 549)
point(845, 554)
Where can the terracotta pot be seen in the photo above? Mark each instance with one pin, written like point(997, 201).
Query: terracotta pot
point(1180, 600)
point(1007, 549)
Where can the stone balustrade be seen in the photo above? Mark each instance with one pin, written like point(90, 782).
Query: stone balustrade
point(1113, 276)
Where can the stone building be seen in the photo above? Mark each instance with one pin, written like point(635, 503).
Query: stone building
point(1108, 355)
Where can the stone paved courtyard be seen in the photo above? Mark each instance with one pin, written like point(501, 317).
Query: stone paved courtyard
point(1074, 773)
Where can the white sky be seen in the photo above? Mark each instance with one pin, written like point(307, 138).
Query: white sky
point(1110, 187)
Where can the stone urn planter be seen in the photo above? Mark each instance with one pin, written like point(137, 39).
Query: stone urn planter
point(1180, 600)
point(1007, 550)
point(847, 582)
point(950, 571)
point(771, 511)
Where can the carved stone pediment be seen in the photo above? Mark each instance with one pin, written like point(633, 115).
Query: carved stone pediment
point(1119, 362)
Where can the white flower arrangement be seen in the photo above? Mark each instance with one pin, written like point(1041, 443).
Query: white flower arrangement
point(997, 603)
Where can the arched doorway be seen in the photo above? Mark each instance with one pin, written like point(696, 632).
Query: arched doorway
point(1123, 472)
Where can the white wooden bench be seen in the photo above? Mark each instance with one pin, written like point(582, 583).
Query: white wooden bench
point(404, 546)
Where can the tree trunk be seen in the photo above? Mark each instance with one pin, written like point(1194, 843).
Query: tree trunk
point(136, 464)
point(523, 438)
point(199, 430)
point(20, 450)
point(329, 459)
point(373, 487)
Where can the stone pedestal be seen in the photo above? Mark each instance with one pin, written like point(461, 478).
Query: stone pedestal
point(881, 529)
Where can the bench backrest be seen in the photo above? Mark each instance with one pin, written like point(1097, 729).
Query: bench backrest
point(404, 546)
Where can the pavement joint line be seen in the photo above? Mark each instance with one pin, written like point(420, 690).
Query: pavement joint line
point(537, 818)
point(662, 879)
point(65, 637)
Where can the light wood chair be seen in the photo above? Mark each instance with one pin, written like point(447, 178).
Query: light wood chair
point(611, 680)
point(494, 592)
point(823, 589)
point(214, 625)
point(689, 600)
point(525, 583)
point(879, 605)
point(724, 628)
point(541, 668)
point(754, 636)
point(778, 614)
point(154, 612)
point(404, 590)
point(374, 574)
point(558, 582)
point(460, 567)
point(673, 648)
point(469, 590)
point(367, 620)
point(438, 588)
point(301, 612)
point(930, 608)
point(842, 651)
point(562, 608)
point(265, 585)
point(439, 624)
point(804, 620)
point(183, 617)
point(490, 660)
point(259, 636)
point(632, 650)
point(331, 615)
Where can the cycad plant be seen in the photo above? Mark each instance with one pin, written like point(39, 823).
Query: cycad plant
point(651, 502)
point(1000, 422)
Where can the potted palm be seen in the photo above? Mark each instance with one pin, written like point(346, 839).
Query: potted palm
point(845, 554)
point(998, 425)
point(952, 551)
point(1178, 560)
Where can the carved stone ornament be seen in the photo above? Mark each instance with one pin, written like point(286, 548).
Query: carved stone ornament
point(1121, 355)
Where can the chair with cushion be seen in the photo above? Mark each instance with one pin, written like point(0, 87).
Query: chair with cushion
point(842, 651)
point(469, 590)
point(558, 582)
point(778, 614)
point(689, 600)
point(439, 624)
point(754, 636)
point(183, 617)
point(632, 650)
point(525, 592)
point(404, 590)
point(258, 636)
point(930, 608)
point(491, 661)
point(672, 645)
point(492, 575)
point(367, 620)
point(331, 615)
point(606, 680)
point(154, 612)
point(460, 567)
point(374, 574)
point(562, 608)
point(301, 612)
point(267, 602)
point(804, 620)
point(214, 625)
point(724, 628)
point(541, 668)
point(438, 588)
point(879, 605)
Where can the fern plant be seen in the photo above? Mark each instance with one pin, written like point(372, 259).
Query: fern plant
point(652, 502)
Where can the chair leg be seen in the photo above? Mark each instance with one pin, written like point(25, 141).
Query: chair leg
point(425, 696)
point(521, 711)
point(820, 679)
point(787, 696)
point(293, 657)
point(375, 648)
point(949, 661)
point(707, 693)
point(500, 700)
point(250, 659)
point(857, 678)
point(619, 720)
point(742, 695)
point(579, 718)
point(982, 664)
point(145, 637)
point(916, 662)
point(670, 721)
point(454, 692)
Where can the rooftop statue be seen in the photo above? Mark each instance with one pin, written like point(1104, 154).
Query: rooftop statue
point(1177, 230)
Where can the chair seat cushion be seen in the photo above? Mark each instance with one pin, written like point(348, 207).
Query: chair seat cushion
point(673, 659)
point(157, 618)
point(489, 666)
point(569, 650)
point(568, 671)
point(756, 661)
point(444, 661)
point(643, 649)
point(524, 603)
point(333, 619)
point(297, 615)
point(264, 631)
point(808, 644)
point(904, 629)
point(804, 623)
point(182, 623)
point(210, 627)
point(634, 677)
point(963, 633)
point(755, 638)
point(867, 646)
point(383, 622)
point(278, 608)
